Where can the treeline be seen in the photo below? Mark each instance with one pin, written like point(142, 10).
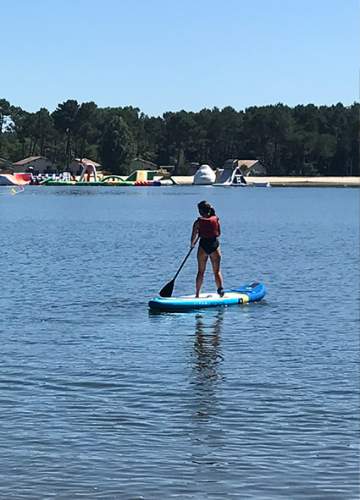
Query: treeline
point(303, 140)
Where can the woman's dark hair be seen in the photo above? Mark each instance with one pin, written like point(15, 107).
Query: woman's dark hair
point(206, 209)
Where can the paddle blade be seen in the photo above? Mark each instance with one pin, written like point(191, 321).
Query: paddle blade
point(167, 290)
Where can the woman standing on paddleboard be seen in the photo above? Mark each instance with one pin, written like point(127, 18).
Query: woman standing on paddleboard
point(207, 228)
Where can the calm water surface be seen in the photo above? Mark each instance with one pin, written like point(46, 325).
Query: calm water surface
point(101, 399)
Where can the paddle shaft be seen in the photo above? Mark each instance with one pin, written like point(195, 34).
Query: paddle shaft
point(167, 290)
point(183, 263)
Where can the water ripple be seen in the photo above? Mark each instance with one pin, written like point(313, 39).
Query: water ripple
point(102, 399)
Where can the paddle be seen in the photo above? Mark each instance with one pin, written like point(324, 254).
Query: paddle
point(167, 290)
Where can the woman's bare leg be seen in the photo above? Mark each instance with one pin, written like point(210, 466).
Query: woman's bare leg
point(215, 258)
point(202, 258)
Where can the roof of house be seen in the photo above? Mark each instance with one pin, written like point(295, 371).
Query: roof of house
point(4, 161)
point(29, 159)
point(247, 163)
point(167, 167)
point(246, 166)
point(148, 162)
point(5, 165)
point(240, 163)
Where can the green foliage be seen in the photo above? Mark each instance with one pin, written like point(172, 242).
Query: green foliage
point(117, 146)
point(304, 140)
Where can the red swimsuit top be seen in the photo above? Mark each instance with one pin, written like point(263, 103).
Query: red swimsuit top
point(209, 227)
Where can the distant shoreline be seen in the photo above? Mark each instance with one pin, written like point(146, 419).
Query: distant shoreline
point(310, 181)
point(351, 181)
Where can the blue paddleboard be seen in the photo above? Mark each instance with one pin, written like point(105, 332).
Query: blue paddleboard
point(242, 295)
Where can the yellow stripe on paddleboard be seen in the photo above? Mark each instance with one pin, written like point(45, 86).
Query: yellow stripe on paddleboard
point(244, 297)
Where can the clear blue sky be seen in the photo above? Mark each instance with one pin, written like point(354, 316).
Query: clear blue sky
point(167, 55)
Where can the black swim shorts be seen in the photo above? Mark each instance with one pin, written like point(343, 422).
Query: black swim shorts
point(209, 245)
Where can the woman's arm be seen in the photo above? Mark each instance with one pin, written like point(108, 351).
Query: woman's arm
point(194, 234)
point(219, 226)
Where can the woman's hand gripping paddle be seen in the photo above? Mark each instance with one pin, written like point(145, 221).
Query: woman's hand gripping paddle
point(167, 290)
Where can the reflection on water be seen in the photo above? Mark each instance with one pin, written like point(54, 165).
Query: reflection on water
point(207, 349)
point(101, 399)
point(207, 434)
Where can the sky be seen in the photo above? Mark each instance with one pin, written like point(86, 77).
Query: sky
point(168, 55)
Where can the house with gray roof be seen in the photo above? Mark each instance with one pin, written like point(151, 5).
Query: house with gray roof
point(37, 164)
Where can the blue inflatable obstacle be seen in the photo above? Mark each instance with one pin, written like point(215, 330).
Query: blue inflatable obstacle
point(242, 295)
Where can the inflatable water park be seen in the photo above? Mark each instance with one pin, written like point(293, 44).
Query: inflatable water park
point(137, 178)
point(203, 176)
point(87, 173)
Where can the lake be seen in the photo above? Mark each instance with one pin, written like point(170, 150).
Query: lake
point(102, 399)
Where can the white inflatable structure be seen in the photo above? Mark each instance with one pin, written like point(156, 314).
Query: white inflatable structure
point(204, 175)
